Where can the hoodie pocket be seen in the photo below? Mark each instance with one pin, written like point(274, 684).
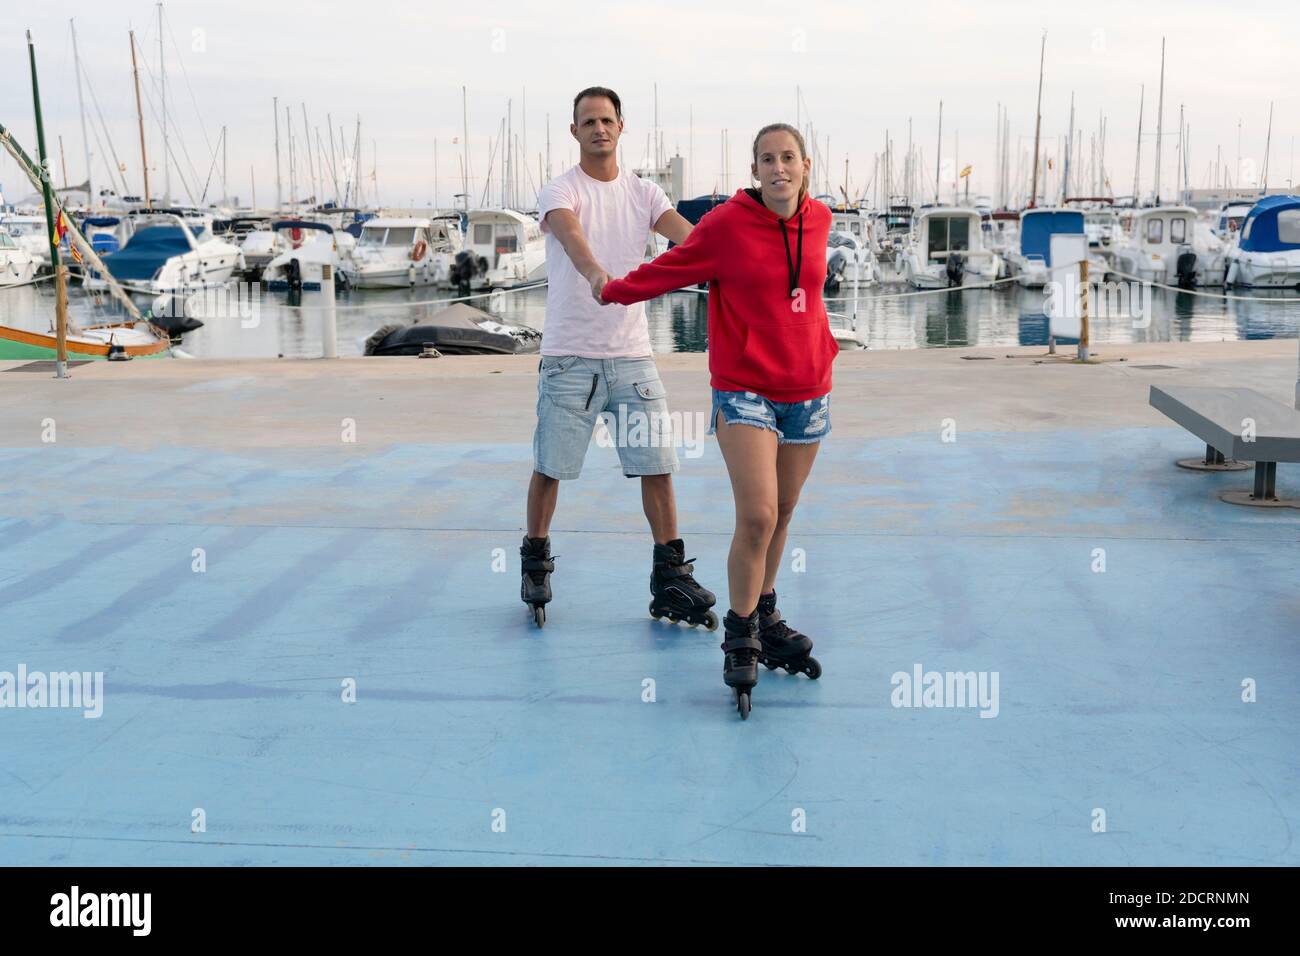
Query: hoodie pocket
point(793, 357)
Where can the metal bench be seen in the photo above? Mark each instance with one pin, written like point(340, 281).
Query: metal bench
point(1220, 417)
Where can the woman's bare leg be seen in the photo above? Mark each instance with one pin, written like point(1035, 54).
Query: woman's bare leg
point(751, 455)
point(793, 463)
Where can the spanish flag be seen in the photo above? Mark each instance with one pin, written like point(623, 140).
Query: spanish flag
point(61, 230)
point(965, 172)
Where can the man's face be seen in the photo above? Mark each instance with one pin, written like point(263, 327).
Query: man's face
point(597, 127)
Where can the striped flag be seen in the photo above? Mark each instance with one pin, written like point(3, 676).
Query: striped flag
point(61, 230)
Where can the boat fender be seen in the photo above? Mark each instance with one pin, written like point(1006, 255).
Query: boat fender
point(418, 252)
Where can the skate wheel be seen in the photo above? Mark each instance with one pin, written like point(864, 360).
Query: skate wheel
point(711, 621)
point(769, 665)
point(813, 668)
point(539, 616)
point(693, 624)
point(742, 704)
point(653, 613)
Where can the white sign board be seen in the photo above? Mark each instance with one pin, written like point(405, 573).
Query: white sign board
point(1063, 306)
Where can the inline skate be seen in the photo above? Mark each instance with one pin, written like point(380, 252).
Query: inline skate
point(741, 649)
point(676, 594)
point(536, 565)
point(783, 646)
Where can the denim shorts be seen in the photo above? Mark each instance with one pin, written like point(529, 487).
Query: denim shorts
point(795, 423)
point(572, 392)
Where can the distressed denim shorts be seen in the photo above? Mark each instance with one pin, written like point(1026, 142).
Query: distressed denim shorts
point(627, 392)
point(795, 423)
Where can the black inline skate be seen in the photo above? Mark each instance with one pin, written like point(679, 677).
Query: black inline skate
point(741, 649)
point(535, 578)
point(676, 594)
point(783, 646)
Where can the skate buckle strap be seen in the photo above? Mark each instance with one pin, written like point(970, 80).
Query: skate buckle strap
point(742, 644)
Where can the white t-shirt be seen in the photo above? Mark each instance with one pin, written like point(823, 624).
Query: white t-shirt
point(616, 218)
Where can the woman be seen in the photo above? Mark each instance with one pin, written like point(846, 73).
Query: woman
point(770, 355)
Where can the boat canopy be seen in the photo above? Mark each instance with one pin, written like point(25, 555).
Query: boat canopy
point(1037, 226)
point(146, 252)
point(100, 221)
point(301, 224)
point(1272, 226)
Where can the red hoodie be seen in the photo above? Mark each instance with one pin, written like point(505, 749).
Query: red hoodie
point(753, 262)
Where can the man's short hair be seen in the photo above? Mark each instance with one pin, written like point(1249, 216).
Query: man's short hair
point(599, 91)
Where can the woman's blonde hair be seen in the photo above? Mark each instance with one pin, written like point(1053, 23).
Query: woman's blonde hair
point(798, 138)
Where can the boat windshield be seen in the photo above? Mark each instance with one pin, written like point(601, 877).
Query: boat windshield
point(948, 235)
point(372, 236)
point(401, 236)
point(7, 242)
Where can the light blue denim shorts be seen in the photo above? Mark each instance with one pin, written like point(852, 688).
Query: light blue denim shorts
point(795, 423)
point(627, 392)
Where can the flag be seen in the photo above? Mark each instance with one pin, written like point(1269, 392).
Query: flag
point(965, 172)
point(61, 230)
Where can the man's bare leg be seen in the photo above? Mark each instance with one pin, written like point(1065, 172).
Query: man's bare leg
point(543, 492)
point(660, 506)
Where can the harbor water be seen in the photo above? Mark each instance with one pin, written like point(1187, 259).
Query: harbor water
point(886, 317)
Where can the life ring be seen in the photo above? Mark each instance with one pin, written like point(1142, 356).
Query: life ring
point(421, 247)
point(295, 236)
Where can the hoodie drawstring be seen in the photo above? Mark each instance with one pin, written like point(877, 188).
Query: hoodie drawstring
point(793, 267)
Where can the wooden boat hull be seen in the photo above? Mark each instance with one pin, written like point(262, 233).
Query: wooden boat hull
point(19, 344)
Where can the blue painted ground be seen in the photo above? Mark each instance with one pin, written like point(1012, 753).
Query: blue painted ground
point(1118, 690)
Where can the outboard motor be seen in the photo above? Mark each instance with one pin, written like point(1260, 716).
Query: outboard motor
point(956, 269)
point(835, 267)
point(463, 270)
point(293, 275)
point(1186, 267)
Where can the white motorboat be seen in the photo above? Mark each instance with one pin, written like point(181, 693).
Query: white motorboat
point(851, 240)
point(165, 255)
point(1268, 253)
point(400, 253)
point(511, 243)
point(311, 256)
point(31, 234)
point(1231, 218)
point(16, 263)
point(945, 249)
point(1169, 245)
point(1032, 264)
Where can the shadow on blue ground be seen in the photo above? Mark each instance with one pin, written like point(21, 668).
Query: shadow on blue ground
point(1118, 691)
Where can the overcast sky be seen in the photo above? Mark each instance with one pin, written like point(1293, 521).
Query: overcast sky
point(863, 68)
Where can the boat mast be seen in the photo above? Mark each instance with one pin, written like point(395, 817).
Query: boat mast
point(334, 169)
point(81, 106)
point(139, 114)
point(937, 154)
point(464, 145)
point(1160, 117)
point(1069, 149)
point(61, 292)
point(1268, 149)
point(311, 165)
point(293, 179)
point(162, 76)
point(275, 111)
point(1038, 122)
point(1137, 163)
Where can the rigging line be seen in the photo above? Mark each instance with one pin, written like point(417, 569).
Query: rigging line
point(171, 152)
point(185, 73)
point(117, 163)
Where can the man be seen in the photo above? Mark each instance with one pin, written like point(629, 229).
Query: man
point(596, 358)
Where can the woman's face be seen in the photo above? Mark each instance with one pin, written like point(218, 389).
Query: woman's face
point(781, 166)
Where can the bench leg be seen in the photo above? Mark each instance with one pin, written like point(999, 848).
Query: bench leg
point(1213, 456)
point(1265, 481)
